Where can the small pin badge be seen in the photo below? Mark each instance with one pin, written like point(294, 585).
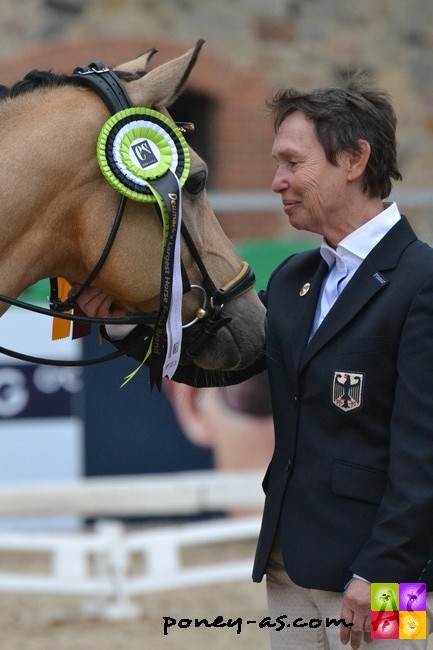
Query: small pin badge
point(305, 289)
point(379, 278)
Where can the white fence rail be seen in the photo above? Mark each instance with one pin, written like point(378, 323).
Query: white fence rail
point(112, 564)
point(153, 494)
point(98, 564)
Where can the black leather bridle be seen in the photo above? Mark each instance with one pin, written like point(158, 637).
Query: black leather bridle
point(208, 318)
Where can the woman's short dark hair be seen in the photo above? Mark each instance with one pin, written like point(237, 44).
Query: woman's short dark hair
point(342, 117)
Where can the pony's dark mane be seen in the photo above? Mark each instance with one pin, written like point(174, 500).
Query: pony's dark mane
point(33, 80)
point(47, 79)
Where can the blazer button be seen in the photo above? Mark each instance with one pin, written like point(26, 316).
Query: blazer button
point(288, 465)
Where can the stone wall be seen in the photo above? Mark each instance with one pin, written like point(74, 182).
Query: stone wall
point(252, 47)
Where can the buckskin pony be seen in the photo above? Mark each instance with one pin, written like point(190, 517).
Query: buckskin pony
point(62, 189)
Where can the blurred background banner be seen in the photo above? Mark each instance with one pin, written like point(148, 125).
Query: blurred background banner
point(41, 407)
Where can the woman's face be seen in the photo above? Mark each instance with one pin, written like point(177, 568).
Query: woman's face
point(314, 192)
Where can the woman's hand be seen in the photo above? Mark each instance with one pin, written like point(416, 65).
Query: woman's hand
point(95, 303)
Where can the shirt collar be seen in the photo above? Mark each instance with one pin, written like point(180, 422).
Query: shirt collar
point(355, 247)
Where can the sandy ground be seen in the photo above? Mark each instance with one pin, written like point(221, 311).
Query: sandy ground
point(47, 623)
point(29, 622)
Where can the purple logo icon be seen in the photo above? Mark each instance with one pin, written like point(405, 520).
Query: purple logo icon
point(412, 596)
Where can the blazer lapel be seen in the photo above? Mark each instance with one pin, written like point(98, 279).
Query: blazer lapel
point(365, 284)
point(306, 307)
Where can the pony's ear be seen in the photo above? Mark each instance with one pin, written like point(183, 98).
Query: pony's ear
point(138, 65)
point(164, 84)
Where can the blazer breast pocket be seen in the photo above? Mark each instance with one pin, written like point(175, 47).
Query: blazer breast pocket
point(357, 482)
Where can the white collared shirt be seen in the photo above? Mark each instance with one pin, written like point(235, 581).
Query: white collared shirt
point(349, 254)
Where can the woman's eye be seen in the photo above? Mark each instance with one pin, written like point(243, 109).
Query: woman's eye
point(196, 183)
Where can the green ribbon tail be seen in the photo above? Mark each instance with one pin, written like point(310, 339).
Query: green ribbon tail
point(134, 372)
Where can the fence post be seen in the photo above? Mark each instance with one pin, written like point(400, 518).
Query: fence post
point(111, 564)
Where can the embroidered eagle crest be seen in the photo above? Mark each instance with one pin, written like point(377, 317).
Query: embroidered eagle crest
point(347, 390)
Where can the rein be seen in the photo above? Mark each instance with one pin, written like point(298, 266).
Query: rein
point(208, 318)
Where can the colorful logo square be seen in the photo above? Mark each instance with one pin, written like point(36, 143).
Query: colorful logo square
point(413, 596)
point(398, 611)
point(412, 625)
point(384, 625)
point(384, 596)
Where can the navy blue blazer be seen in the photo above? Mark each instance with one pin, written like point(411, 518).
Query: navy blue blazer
point(350, 485)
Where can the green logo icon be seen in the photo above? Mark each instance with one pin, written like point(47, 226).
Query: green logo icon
point(384, 596)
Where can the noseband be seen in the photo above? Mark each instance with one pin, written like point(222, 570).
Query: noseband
point(208, 317)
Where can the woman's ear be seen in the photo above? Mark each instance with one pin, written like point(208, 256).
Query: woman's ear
point(186, 403)
point(357, 160)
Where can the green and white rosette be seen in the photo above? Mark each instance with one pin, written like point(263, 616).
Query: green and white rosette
point(145, 157)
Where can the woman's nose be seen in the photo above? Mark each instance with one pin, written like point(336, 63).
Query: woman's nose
point(279, 182)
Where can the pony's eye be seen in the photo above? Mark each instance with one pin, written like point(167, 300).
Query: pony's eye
point(196, 183)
